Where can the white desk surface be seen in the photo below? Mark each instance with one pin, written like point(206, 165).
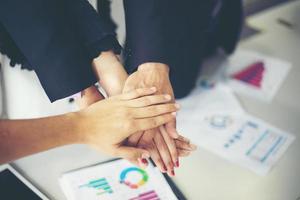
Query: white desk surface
point(205, 175)
point(267, 20)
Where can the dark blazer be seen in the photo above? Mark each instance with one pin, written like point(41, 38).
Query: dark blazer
point(180, 34)
point(57, 39)
point(154, 25)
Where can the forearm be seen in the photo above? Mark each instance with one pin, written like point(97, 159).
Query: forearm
point(20, 138)
point(110, 72)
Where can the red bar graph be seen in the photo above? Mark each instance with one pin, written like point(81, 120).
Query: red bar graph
point(252, 74)
point(151, 195)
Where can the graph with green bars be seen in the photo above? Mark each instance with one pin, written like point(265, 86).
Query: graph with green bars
point(101, 185)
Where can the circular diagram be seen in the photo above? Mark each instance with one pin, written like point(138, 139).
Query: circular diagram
point(124, 177)
point(219, 121)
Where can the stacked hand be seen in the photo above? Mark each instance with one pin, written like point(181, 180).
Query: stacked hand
point(163, 144)
point(116, 118)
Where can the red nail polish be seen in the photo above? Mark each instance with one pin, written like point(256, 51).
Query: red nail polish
point(177, 163)
point(165, 168)
point(144, 161)
point(173, 173)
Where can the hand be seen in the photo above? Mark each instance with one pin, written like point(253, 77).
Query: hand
point(159, 150)
point(163, 149)
point(156, 75)
point(182, 145)
point(113, 75)
point(106, 124)
point(92, 95)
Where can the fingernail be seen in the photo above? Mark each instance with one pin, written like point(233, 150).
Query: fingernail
point(177, 105)
point(177, 163)
point(144, 161)
point(167, 97)
point(153, 89)
point(174, 114)
point(165, 168)
point(141, 164)
point(172, 173)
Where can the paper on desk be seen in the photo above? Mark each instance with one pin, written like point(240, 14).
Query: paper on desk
point(254, 74)
point(217, 97)
point(216, 122)
point(116, 180)
point(203, 101)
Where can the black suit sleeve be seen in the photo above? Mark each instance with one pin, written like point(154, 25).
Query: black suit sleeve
point(57, 47)
point(95, 32)
point(146, 39)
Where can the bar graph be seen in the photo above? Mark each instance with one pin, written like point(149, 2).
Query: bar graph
point(252, 74)
point(151, 195)
point(100, 185)
point(249, 128)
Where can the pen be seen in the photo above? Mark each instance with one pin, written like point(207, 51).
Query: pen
point(285, 23)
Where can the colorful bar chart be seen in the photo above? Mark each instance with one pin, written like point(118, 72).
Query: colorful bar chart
point(252, 74)
point(151, 195)
point(101, 185)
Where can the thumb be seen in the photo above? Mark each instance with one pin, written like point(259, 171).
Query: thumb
point(131, 83)
point(135, 155)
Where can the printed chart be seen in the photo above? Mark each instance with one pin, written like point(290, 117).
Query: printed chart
point(243, 139)
point(151, 195)
point(116, 180)
point(254, 74)
point(136, 171)
point(263, 141)
point(100, 185)
point(219, 121)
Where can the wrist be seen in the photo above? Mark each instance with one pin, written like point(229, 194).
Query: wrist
point(154, 66)
point(110, 72)
point(76, 123)
point(103, 62)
